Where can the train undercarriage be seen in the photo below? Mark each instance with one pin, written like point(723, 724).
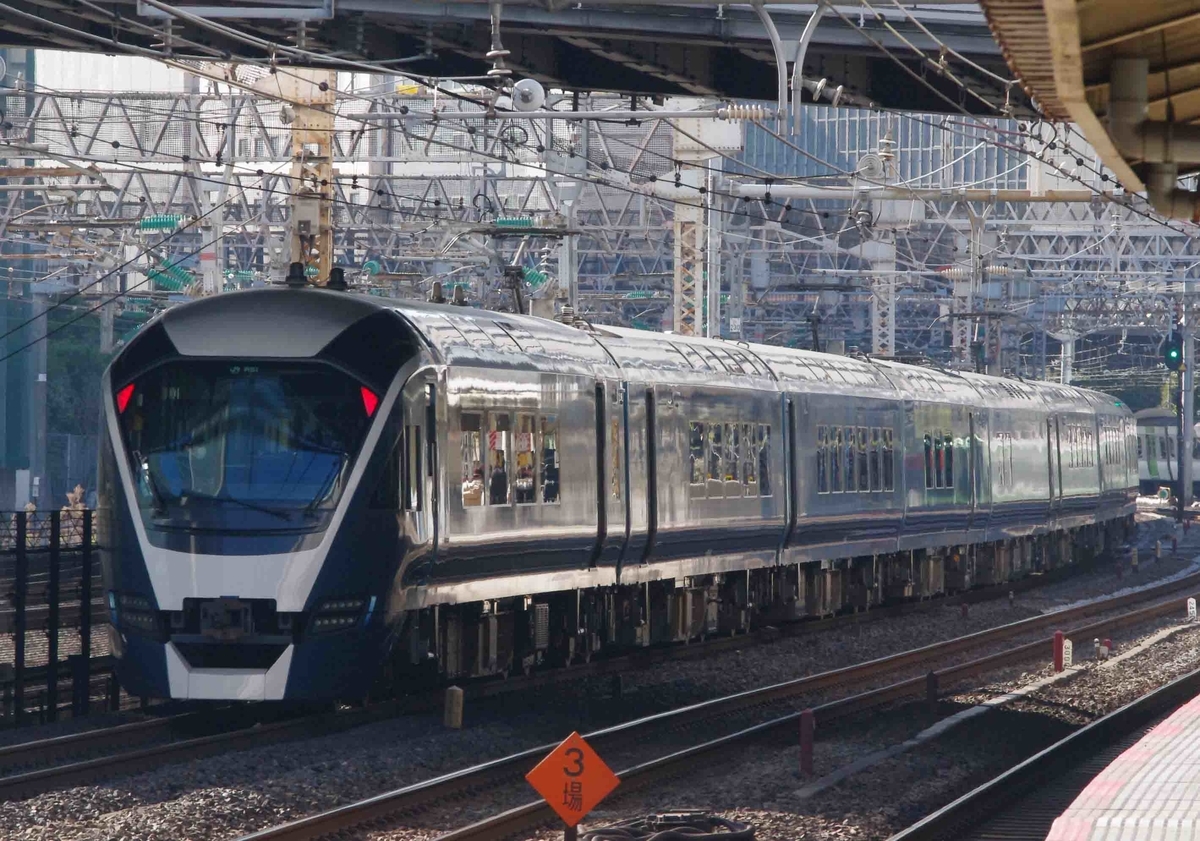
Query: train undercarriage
point(513, 636)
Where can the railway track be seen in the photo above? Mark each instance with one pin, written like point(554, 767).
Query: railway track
point(643, 731)
point(1020, 804)
point(29, 768)
point(174, 738)
point(129, 748)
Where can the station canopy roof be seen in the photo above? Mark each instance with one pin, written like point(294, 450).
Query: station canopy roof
point(1126, 71)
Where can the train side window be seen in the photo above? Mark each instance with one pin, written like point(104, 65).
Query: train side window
point(715, 362)
point(764, 459)
point(949, 461)
point(499, 479)
point(696, 434)
point(928, 461)
point(851, 478)
point(416, 472)
point(822, 460)
point(471, 428)
point(1001, 461)
point(733, 460)
point(835, 459)
point(411, 484)
point(698, 362)
point(889, 462)
point(716, 453)
point(864, 476)
point(749, 460)
point(615, 450)
point(939, 460)
point(525, 481)
point(387, 493)
point(876, 479)
point(728, 360)
point(549, 465)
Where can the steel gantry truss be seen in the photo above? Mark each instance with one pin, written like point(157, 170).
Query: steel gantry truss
point(183, 194)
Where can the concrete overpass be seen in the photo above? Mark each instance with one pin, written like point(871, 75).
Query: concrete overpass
point(698, 48)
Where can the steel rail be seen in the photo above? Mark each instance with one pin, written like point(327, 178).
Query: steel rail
point(84, 746)
point(538, 813)
point(1101, 739)
point(534, 814)
point(45, 751)
point(252, 734)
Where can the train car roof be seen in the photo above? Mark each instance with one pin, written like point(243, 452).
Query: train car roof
point(475, 337)
point(657, 357)
point(262, 322)
point(469, 336)
point(1155, 416)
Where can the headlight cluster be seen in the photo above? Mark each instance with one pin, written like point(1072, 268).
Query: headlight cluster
point(132, 612)
point(341, 614)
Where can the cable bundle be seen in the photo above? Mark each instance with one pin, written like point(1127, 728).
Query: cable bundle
point(673, 826)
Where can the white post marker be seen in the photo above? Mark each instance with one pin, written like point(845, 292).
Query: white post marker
point(1067, 654)
point(1191, 610)
point(452, 714)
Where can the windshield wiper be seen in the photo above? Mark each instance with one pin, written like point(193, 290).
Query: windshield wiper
point(323, 490)
point(253, 506)
point(160, 503)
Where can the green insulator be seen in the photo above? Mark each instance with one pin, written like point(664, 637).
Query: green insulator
point(514, 222)
point(534, 278)
point(160, 222)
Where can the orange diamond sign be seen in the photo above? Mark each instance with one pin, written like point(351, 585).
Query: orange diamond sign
point(573, 779)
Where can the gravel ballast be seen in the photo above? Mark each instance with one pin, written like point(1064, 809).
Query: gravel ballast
point(761, 784)
point(226, 795)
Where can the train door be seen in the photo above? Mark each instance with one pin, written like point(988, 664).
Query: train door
point(972, 468)
point(791, 478)
point(651, 474)
point(419, 492)
point(612, 497)
point(1151, 452)
point(1054, 462)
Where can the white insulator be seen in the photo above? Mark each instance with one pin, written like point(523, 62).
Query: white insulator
point(735, 111)
point(954, 273)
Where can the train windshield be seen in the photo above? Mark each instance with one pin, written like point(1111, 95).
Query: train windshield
point(234, 445)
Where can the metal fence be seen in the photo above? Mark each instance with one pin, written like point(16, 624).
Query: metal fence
point(51, 582)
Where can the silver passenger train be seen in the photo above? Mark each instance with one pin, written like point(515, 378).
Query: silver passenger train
point(306, 492)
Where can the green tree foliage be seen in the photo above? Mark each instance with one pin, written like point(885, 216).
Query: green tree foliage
point(74, 365)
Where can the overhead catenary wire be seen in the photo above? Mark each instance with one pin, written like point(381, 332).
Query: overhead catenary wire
point(83, 288)
point(667, 200)
point(112, 299)
point(600, 181)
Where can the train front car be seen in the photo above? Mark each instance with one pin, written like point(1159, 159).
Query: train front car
point(246, 435)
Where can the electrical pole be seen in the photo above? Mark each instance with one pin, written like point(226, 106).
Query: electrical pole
point(311, 181)
point(712, 262)
point(1187, 419)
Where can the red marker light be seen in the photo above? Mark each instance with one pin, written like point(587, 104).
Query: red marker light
point(123, 398)
point(370, 400)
